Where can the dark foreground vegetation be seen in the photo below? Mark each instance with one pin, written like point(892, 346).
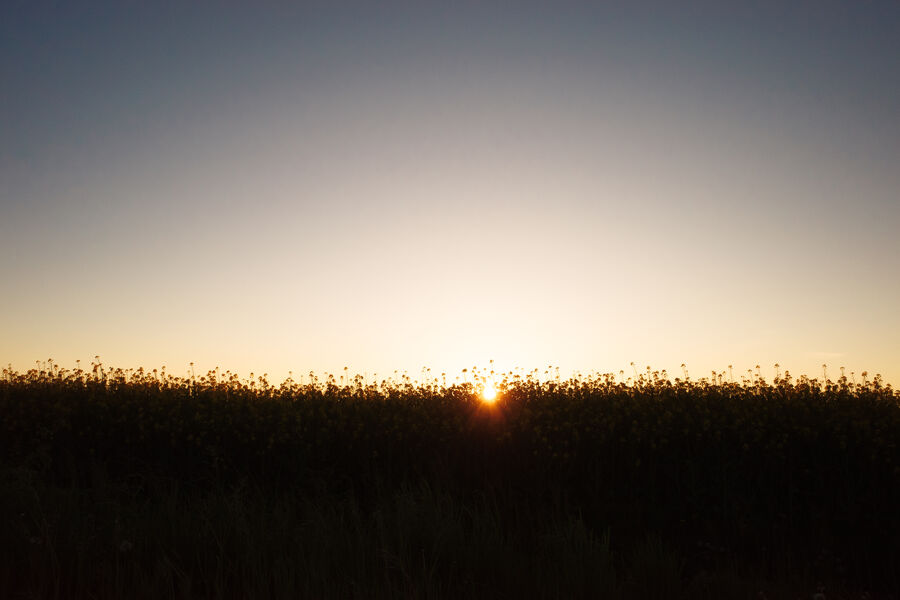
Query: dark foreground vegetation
point(142, 485)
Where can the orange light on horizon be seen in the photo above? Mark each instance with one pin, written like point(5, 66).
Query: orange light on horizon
point(489, 393)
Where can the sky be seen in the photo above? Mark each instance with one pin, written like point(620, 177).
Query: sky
point(273, 188)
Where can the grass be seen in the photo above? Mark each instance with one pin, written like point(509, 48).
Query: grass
point(134, 484)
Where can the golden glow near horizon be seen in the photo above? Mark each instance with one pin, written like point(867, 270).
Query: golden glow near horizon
point(489, 393)
point(482, 383)
point(569, 188)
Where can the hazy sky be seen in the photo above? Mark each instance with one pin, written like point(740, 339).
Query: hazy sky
point(266, 188)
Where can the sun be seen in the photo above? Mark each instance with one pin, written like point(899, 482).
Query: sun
point(489, 393)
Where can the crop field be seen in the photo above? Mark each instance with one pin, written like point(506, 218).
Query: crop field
point(134, 483)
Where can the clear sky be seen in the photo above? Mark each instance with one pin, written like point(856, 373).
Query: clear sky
point(265, 188)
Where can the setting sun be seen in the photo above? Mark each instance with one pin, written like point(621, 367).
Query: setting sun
point(489, 393)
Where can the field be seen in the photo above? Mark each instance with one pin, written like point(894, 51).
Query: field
point(129, 483)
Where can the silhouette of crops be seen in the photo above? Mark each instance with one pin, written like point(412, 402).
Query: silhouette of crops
point(757, 470)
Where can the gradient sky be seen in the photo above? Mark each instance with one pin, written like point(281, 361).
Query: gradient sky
point(265, 188)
